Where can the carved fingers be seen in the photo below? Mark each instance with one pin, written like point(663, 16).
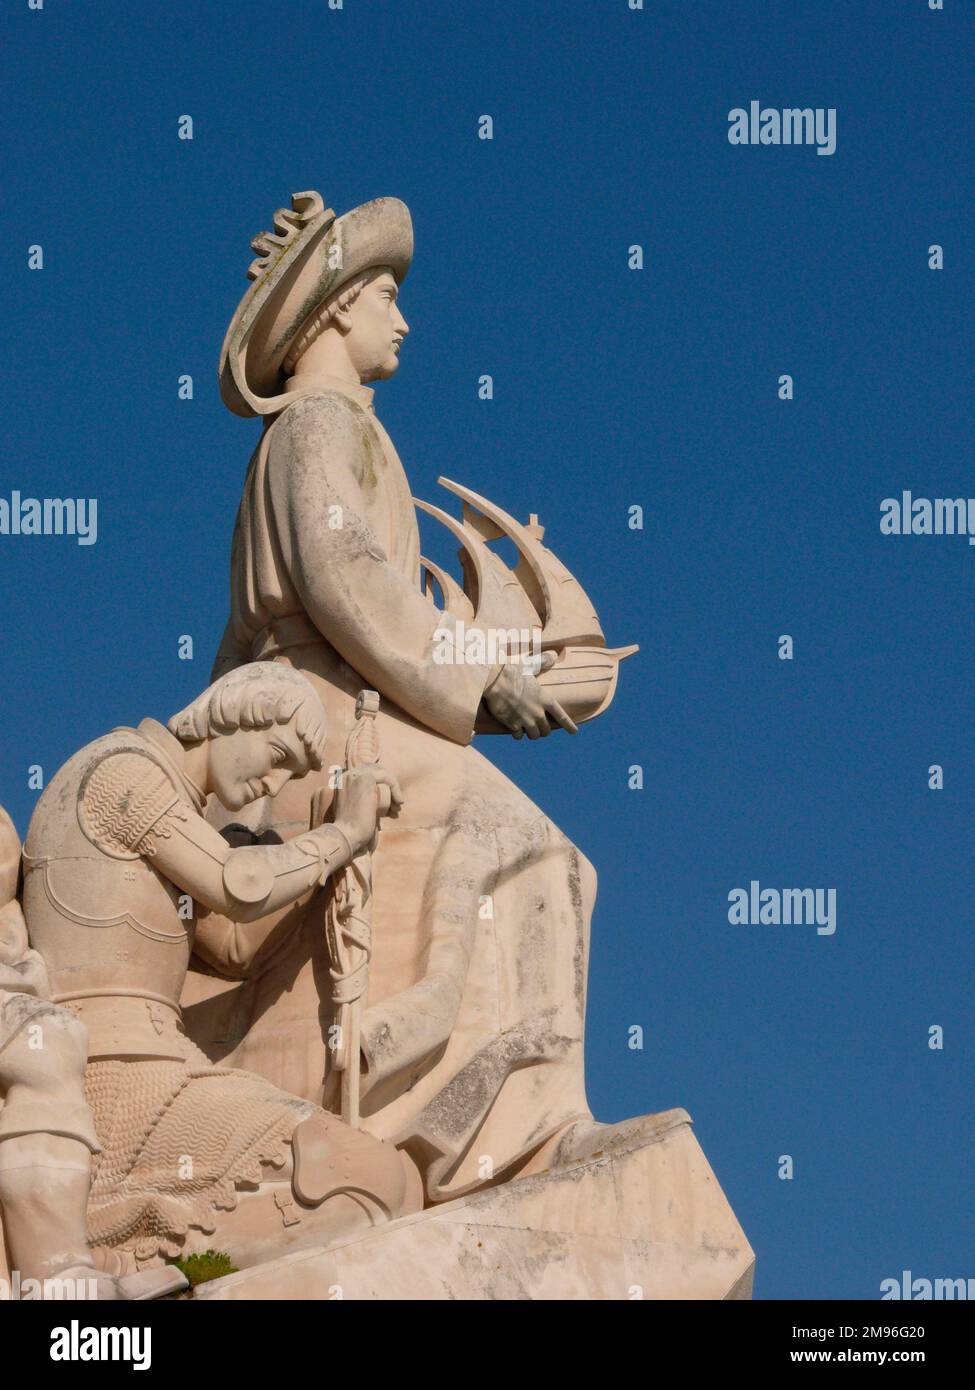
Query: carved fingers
point(521, 704)
point(364, 794)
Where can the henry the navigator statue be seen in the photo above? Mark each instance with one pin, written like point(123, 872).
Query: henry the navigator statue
point(472, 1028)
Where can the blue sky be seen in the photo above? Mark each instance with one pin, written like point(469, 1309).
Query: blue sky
point(613, 388)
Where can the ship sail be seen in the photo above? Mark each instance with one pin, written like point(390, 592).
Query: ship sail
point(567, 613)
point(540, 591)
point(499, 601)
point(538, 596)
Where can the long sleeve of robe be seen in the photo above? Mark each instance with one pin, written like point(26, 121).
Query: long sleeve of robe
point(327, 528)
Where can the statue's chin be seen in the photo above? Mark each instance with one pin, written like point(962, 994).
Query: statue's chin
point(384, 371)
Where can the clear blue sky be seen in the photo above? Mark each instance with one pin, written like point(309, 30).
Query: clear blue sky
point(612, 388)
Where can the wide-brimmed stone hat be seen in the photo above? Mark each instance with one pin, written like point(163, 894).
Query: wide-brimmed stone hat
point(310, 254)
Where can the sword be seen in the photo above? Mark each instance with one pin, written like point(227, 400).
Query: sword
point(348, 921)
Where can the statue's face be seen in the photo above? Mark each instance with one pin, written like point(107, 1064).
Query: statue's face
point(250, 763)
point(377, 328)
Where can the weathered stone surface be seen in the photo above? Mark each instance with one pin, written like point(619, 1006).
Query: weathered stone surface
point(647, 1220)
point(386, 1006)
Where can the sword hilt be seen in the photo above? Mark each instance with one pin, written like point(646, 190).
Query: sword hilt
point(362, 747)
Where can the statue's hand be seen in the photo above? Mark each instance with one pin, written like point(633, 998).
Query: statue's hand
point(13, 934)
point(357, 804)
point(523, 705)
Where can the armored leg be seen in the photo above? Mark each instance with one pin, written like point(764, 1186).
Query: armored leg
point(46, 1142)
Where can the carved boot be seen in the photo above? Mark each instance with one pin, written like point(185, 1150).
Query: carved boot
point(44, 1184)
point(330, 1158)
point(340, 1181)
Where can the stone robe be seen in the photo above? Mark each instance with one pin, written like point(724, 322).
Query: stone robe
point(472, 1033)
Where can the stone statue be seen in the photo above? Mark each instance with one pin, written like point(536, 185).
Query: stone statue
point(309, 970)
point(121, 871)
point(471, 1037)
point(47, 1134)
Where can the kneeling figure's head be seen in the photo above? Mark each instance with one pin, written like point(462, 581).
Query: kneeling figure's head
point(260, 725)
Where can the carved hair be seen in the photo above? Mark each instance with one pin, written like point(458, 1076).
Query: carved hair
point(256, 696)
point(319, 319)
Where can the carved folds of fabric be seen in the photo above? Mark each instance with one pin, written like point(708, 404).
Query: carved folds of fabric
point(122, 799)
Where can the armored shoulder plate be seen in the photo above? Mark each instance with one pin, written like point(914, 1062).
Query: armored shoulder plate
point(121, 798)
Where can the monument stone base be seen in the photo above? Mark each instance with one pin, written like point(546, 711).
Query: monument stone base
point(644, 1220)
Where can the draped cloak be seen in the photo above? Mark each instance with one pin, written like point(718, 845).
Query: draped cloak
point(472, 1030)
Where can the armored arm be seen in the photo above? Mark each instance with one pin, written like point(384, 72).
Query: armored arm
point(129, 806)
point(247, 882)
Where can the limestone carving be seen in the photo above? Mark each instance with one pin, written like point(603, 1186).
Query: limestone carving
point(311, 970)
point(121, 870)
point(472, 1027)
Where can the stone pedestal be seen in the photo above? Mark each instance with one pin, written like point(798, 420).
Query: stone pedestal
point(644, 1219)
